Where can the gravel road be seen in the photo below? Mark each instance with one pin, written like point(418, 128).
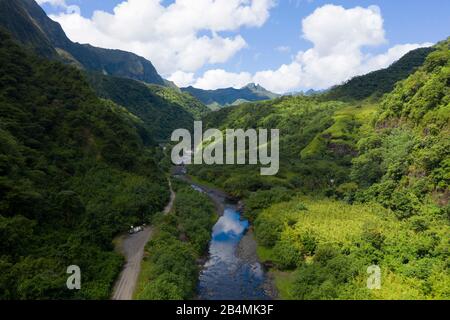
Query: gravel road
point(132, 248)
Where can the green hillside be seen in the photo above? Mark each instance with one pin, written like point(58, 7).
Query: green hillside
point(74, 173)
point(402, 166)
point(115, 75)
point(182, 99)
point(405, 160)
point(160, 116)
point(361, 183)
point(300, 120)
point(379, 82)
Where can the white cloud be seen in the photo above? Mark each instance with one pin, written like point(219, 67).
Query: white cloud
point(393, 54)
point(285, 78)
point(334, 29)
point(182, 79)
point(182, 36)
point(218, 78)
point(60, 3)
point(338, 36)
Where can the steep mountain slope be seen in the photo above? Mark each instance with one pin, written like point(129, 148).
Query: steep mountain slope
point(73, 173)
point(405, 161)
point(159, 115)
point(229, 96)
point(15, 19)
point(182, 99)
point(115, 75)
point(377, 83)
point(300, 120)
point(320, 138)
point(29, 24)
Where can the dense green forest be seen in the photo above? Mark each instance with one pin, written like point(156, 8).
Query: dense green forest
point(170, 267)
point(160, 114)
point(80, 155)
point(307, 127)
point(362, 182)
point(75, 171)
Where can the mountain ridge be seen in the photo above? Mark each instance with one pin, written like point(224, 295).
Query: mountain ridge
point(229, 96)
point(160, 116)
point(379, 82)
point(30, 25)
point(115, 75)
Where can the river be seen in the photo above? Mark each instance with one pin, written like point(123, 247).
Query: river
point(232, 270)
point(228, 274)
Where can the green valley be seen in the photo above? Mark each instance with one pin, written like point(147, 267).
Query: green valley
point(358, 210)
point(362, 182)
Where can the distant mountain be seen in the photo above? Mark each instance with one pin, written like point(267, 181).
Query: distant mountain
point(312, 92)
point(308, 93)
point(29, 24)
point(231, 96)
point(382, 81)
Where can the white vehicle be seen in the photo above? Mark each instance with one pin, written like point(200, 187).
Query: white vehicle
point(134, 230)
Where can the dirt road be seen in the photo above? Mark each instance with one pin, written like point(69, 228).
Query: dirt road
point(132, 247)
point(169, 206)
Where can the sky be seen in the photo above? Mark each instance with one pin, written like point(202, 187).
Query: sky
point(283, 45)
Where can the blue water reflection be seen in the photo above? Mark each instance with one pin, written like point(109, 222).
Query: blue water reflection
point(225, 275)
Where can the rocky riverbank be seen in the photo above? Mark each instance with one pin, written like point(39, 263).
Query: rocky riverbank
point(247, 251)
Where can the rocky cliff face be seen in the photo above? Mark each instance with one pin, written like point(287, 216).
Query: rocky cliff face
point(29, 24)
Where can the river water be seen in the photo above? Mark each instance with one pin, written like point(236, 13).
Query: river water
point(225, 275)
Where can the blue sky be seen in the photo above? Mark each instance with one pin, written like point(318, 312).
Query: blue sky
point(278, 40)
point(405, 21)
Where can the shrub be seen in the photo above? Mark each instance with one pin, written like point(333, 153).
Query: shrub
point(286, 255)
